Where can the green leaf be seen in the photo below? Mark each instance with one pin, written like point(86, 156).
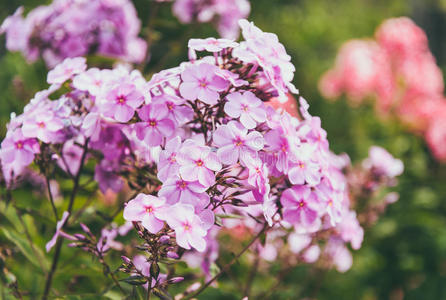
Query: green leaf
point(26, 249)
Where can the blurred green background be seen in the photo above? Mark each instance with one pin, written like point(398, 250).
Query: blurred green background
point(404, 255)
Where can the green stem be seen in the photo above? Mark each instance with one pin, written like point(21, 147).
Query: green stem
point(50, 196)
point(59, 243)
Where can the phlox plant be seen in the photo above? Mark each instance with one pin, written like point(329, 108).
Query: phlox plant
point(201, 152)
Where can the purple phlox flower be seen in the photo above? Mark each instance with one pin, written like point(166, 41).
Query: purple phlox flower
point(247, 107)
point(112, 142)
point(17, 149)
point(92, 80)
point(67, 69)
point(211, 44)
point(234, 143)
point(16, 153)
point(258, 175)
point(59, 226)
point(176, 189)
point(303, 169)
point(198, 163)
point(144, 209)
point(17, 31)
point(177, 110)
point(300, 206)
point(122, 102)
point(201, 82)
point(280, 147)
point(105, 175)
point(168, 163)
point(156, 124)
point(91, 126)
point(190, 230)
point(44, 125)
point(298, 242)
point(350, 230)
point(383, 163)
point(332, 198)
point(339, 254)
point(71, 159)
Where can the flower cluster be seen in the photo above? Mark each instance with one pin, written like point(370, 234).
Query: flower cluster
point(225, 13)
point(398, 70)
point(328, 246)
point(70, 28)
point(198, 144)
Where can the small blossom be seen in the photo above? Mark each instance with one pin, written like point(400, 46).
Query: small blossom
point(156, 124)
point(200, 82)
point(176, 189)
point(67, 69)
point(234, 143)
point(299, 206)
point(247, 107)
point(122, 102)
point(189, 228)
point(168, 163)
point(144, 209)
point(198, 163)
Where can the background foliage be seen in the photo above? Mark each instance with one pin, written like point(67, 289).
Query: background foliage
point(403, 256)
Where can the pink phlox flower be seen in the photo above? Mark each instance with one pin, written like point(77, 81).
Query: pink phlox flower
point(175, 189)
point(17, 149)
point(298, 242)
point(17, 31)
point(71, 160)
point(67, 69)
point(247, 107)
point(300, 206)
point(258, 175)
point(59, 226)
point(235, 143)
point(303, 169)
point(178, 111)
point(201, 82)
point(211, 44)
point(144, 209)
point(338, 254)
point(279, 146)
point(383, 162)
point(92, 80)
point(198, 163)
point(156, 125)
point(105, 175)
point(121, 102)
point(190, 230)
point(332, 198)
point(350, 230)
point(168, 163)
point(91, 126)
point(43, 124)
